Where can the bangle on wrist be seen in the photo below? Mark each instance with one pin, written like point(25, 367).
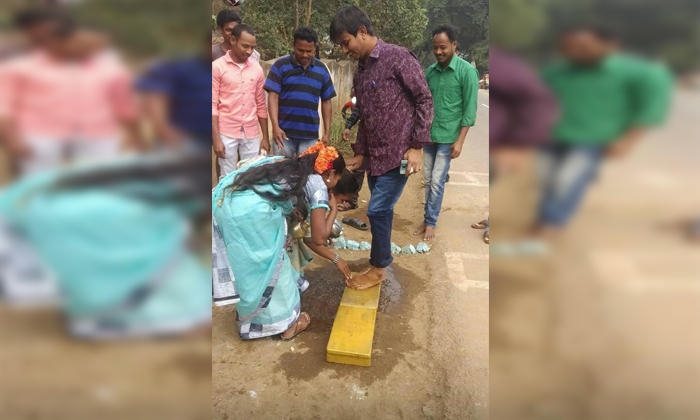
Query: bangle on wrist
point(336, 259)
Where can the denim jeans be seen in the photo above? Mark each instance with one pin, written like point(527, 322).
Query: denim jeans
point(294, 147)
point(385, 191)
point(565, 172)
point(436, 164)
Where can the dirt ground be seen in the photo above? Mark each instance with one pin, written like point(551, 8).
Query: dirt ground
point(431, 347)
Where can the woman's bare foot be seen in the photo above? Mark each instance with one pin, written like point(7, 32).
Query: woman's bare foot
point(420, 230)
point(299, 326)
point(429, 233)
point(367, 279)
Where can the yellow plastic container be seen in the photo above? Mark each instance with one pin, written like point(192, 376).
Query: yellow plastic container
point(351, 338)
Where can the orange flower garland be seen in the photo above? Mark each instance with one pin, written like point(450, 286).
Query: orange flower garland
point(326, 156)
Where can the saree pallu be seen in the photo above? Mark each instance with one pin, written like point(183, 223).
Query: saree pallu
point(253, 231)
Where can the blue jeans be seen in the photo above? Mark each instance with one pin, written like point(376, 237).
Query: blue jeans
point(385, 191)
point(436, 165)
point(294, 147)
point(566, 172)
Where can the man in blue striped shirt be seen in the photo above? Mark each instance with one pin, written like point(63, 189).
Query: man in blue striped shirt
point(295, 84)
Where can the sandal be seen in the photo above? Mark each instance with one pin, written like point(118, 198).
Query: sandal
point(481, 225)
point(347, 206)
point(297, 327)
point(356, 223)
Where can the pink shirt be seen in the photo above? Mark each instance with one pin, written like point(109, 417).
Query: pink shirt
point(237, 97)
point(65, 100)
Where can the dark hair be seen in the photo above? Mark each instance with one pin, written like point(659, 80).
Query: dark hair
point(30, 17)
point(306, 33)
point(603, 33)
point(226, 16)
point(347, 185)
point(349, 19)
point(239, 29)
point(459, 46)
point(287, 177)
point(448, 30)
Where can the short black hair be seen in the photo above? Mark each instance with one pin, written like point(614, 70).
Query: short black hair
point(239, 29)
point(448, 30)
point(349, 19)
point(226, 16)
point(306, 33)
point(347, 184)
point(25, 19)
point(602, 32)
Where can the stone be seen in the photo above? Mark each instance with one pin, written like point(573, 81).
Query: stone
point(423, 248)
point(395, 249)
point(339, 243)
point(408, 250)
point(353, 245)
point(365, 246)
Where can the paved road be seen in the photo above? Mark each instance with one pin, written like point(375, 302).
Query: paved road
point(607, 326)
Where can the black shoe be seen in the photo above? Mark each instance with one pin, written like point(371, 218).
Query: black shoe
point(448, 179)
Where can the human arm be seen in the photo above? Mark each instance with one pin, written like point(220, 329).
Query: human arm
point(322, 222)
point(325, 252)
point(217, 144)
point(470, 93)
point(262, 112)
point(327, 113)
point(273, 86)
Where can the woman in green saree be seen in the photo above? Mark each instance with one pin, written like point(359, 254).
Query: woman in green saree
point(253, 214)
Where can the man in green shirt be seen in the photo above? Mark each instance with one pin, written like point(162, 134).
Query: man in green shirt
point(454, 84)
point(608, 100)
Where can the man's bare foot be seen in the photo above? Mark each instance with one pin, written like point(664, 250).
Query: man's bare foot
point(420, 230)
point(429, 233)
point(367, 279)
point(548, 233)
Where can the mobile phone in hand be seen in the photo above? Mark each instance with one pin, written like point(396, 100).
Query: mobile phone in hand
point(403, 167)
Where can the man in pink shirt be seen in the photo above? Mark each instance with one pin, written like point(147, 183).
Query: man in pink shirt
point(238, 103)
point(64, 101)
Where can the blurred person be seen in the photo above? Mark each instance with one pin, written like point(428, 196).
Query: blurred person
point(239, 115)
point(253, 248)
point(226, 20)
point(397, 110)
point(358, 173)
point(176, 97)
point(113, 240)
point(64, 101)
point(608, 101)
point(295, 85)
point(522, 113)
point(456, 85)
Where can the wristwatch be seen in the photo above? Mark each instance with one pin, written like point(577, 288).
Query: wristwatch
point(336, 259)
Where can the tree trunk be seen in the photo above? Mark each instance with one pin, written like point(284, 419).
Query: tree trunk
point(296, 23)
point(308, 13)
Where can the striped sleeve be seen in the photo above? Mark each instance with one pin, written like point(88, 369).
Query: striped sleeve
point(327, 91)
point(273, 84)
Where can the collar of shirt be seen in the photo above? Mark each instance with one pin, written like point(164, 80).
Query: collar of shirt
point(452, 65)
point(230, 60)
point(376, 52)
point(312, 63)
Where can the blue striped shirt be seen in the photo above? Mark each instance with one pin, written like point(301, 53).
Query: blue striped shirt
point(299, 91)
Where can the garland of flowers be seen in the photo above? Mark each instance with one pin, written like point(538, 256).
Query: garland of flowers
point(326, 156)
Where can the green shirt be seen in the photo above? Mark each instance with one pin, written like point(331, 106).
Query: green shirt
point(455, 90)
point(600, 103)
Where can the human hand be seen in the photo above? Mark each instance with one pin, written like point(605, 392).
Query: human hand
point(354, 163)
point(456, 149)
point(619, 149)
point(343, 267)
point(19, 149)
point(415, 161)
point(346, 134)
point(265, 145)
point(219, 149)
point(279, 137)
point(326, 140)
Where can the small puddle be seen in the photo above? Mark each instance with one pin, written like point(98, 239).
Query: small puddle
point(392, 338)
